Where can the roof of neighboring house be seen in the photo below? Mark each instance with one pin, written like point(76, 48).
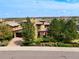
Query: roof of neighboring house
point(15, 25)
point(12, 24)
point(38, 23)
point(46, 23)
point(17, 28)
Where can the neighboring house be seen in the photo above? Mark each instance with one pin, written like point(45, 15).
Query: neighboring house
point(41, 28)
point(16, 28)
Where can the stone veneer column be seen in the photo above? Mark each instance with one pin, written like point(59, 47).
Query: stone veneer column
point(14, 33)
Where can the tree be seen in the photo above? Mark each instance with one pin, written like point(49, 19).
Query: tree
point(5, 32)
point(55, 29)
point(70, 30)
point(62, 31)
point(28, 31)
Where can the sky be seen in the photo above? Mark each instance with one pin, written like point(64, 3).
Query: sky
point(38, 8)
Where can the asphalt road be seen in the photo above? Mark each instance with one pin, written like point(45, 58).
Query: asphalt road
point(38, 55)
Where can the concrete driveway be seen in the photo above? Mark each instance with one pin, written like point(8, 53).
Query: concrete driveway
point(15, 42)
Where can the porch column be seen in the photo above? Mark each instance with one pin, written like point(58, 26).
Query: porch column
point(14, 33)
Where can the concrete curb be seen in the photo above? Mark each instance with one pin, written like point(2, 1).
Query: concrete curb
point(32, 48)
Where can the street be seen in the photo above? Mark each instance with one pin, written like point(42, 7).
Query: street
point(28, 54)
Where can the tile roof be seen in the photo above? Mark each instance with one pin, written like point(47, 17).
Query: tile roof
point(12, 24)
point(17, 28)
